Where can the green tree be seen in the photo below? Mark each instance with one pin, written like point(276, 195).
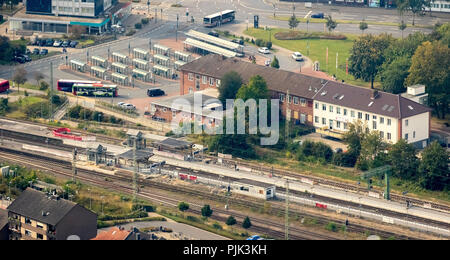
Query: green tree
point(393, 75)
point(230, 221)
point(247, 223)
point(430, 66)
point(433, 169)
point(331, 24)
point(207, 211)
point(366, 56)
point(363, 26)
point(255, 89)
point(275, 63)
point(402, 157)
point(3, 106)
point(353, 137)
point(293, 22)
point(229, 86)
point(372, 151)
point(183, 206)
point(20, 77)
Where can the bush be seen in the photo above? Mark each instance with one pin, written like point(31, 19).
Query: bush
point(145, 20)
point(269, 45)
point(138, 26)
point(43, 85)
point(183, 206)
point(247, 223)
point(192, 218)
point(226, 33)
point(207, 211)
point(260, 43)
point(217, 226)
point(331, 227)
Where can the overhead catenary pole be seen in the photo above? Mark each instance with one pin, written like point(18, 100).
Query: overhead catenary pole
point(50, 116)
point(74, 166)
point(286, 220)
point(135, 174)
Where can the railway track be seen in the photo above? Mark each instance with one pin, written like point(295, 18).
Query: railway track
point(275, 171)
point(270, 228)
point(38, 159)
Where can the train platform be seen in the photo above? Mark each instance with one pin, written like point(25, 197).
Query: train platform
point(361, 198)
point(25, 128)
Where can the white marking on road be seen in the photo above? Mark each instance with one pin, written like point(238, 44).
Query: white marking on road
point(308, 14)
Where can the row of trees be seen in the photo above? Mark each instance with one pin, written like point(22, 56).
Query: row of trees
point(207, 212)
point(331, 24)
point(417, 59)
point(369, 151)
point(9, 49)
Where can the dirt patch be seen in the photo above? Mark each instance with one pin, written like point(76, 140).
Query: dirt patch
point(297, 35)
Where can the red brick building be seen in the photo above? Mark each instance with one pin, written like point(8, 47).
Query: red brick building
point(295, 91)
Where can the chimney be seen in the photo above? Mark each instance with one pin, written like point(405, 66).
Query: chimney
point(375, 94)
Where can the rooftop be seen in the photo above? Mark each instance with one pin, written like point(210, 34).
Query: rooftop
point(64, 19)
point(277, 80)
point(114, 233)
point(3, 218)
point(254, 183)
point(377, 102)
point(39, 206)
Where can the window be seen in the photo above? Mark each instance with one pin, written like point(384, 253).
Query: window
point(218, 82)
point(204, 79)
point(316, 105)
point(414, 134)
point(40, 236)
point(303, 102)
point(389, 136)
point(211, 81)
point(190, 77)
point(345, 126)
point(290, 99)
point(39, 226)
point(316, 119)
point(406, 136)
point(331, 108)
point(164, 109)
point(352, 113)
point(382, 134)
point(367, 117)
point(27, 233)
point(381, 120)
point(374, 125)
point(27, 221)
point(296, 100)
point(324, 107)
point(406, 122)
point(359, 115)
point(174, 114)
point(374, 117)
point(338, 124)
point(197, 76)
point(197, 85)
point(338, 110)
point(345, 112)
point(389, 121)
point(281, 97)
point(324, 121)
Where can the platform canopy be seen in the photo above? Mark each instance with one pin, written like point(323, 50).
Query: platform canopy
point(119, 65)
point(141, 51)
point(140, 61)
point(120, 55)
point(161, 68)
point(98, 69)
point(161, 57)
point(119, 76)
point(99, 59)
point(212, 40)
point(77, 62)
point(161, 47)
point(141, 72)
point(209, 47)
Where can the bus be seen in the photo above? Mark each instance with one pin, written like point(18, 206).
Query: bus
point(4, 85)
point(219, 18)
point(97, 90)
point(67, 84)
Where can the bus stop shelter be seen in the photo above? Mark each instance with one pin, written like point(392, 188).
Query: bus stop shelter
point(98, 72)
point(141, 53)
point(182, 56)
point(119, 67)
point(159, 59)
point(177, 64)
point(119, 57)
point(99, 61)
point(120, 79)
point(162, 71)
point(160, 49)
point(206, 48)
point(141, 64)
point(142, 75)
point(78, 65)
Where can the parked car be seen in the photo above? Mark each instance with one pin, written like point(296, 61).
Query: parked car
point(26, 58)
point(73, 44)
point(34, 41)
point(297, 56)
point(19, 59)
point(65, 43)
point(264, 50)
point(36, 51)
point(49, 42)
point(129, 106)
point(57, 43)
point(155, 92)
point(317, 15)
point(41, 42)
point(120, 104)
point(238, 41)
point(215, 34)
point(43, 52)
point(28, 52)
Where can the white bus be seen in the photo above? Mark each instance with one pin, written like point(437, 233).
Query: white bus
point(219, 18)
point(439, 6)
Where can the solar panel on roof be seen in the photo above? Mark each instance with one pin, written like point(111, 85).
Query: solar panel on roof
point(385, 107)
